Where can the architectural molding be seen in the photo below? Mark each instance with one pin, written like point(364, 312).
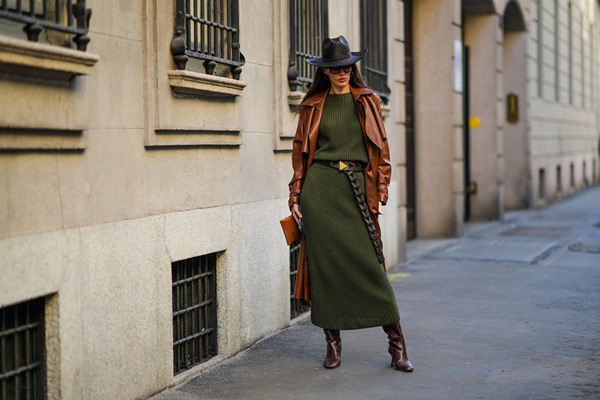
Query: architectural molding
point(196, 84)
point(42, 140)
point(42, 63)
point(165, 138)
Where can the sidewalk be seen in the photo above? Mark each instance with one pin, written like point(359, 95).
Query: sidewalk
point(509, 311)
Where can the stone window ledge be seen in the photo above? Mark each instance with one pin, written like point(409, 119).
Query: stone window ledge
point(196, 84)
point(20, 59)
point(385, 110)
point(295, 98)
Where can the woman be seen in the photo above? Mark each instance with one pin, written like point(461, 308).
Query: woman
point(340, 183)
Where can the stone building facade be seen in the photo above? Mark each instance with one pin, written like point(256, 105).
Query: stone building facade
point(142, 176)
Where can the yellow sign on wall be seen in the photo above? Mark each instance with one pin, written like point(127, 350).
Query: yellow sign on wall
point(474, 122)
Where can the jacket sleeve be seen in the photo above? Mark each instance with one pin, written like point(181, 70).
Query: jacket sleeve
point(384, 167)
point(299, 161)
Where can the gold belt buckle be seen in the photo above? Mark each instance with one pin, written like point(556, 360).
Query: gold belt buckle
point(343, 165)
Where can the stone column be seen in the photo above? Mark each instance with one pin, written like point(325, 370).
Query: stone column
point(438, 120)
point(481, 37)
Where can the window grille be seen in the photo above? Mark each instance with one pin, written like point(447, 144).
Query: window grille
point(67, 16)
point(572, 175)
point(374, 37)
point(22, 351)
point(296, 306)
point(208, 30)
point(308, 28)
point(194, 311)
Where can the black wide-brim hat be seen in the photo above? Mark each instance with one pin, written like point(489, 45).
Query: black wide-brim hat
point(336, 53)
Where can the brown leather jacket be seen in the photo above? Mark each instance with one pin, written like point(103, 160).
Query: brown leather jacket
point(377, 173)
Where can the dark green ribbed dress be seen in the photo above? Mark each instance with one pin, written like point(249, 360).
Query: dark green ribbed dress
point(349, 288)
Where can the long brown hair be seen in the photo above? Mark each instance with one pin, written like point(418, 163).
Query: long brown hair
point(321, 82)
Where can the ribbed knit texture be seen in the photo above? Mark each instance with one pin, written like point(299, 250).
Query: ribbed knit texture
point(340, 133)
point(349, 288)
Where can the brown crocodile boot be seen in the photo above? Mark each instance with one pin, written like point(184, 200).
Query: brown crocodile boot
point(397, 348)
point(333, 359)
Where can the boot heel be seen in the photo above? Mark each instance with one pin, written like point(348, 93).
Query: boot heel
point(397, 348)
point(333, 359)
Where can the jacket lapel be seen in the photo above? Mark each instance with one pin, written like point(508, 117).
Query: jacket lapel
point(369, 118)
point(314, 107)
point(368, 114)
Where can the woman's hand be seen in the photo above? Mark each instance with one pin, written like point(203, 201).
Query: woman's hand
point(296, 213)
point(380, 209)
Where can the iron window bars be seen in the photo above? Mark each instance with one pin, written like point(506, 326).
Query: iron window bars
point(22, 351)
point(67, 16)
point(194, 311)
point(296, 306)
point(309, 22)
point(208, 30)
point(374, 37)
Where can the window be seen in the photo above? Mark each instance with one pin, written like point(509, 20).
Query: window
point(208, 30)
point(194, 311)
point(542, 184)
point(559, 179)
point(22, 350)
point(374, 37)
point(308, 28)
point(67, 16)
point(572, 176)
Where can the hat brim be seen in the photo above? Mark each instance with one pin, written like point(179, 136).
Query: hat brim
point(353, 59)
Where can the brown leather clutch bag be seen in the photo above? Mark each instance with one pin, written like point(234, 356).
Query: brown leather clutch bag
point(290, 229)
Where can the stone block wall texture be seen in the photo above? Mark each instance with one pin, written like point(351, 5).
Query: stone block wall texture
point(109, 178)
point(117, 177)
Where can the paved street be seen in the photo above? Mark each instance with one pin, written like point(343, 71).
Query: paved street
point(509, 311)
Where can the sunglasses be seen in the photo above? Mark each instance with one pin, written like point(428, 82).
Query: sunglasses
point(336, 70)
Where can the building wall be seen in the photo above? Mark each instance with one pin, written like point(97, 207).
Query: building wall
point(596, 86)
point(396, 124)
point(481, 36)
point(438, 120)
point(551, 150)
point(563, 120)
point(516, 133)
point(110, 178)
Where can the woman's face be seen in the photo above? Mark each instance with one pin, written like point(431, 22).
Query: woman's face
point(339, 78)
